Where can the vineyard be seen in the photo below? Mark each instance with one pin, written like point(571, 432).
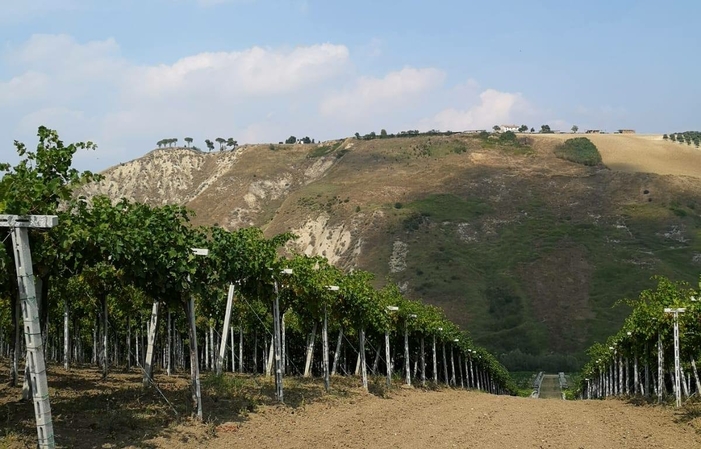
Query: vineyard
point(655, 351)
point(124, 285)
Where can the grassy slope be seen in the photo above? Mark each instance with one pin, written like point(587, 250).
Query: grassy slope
point(527, 251)
point(544, 276)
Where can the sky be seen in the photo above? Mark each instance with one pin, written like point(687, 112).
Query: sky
point(127, 73)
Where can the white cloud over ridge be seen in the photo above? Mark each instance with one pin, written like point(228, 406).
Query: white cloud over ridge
point(494, 107)
point(381, 94)
point(90, 91)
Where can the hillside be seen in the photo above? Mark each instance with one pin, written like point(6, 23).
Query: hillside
point(527, 251)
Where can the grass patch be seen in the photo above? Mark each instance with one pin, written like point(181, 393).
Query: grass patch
point(579, 150)
point(448, 207)
point(323, 150)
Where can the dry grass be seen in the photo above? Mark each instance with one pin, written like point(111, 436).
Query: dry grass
point(640, 153)
point(89, 412)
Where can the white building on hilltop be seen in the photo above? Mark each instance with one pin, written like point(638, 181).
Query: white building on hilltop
point(512, 128)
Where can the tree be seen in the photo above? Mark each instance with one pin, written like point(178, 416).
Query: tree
point(523, 129)
point(545, 129)
point(231, 143)
point(383, 133)
point(221, 142)
point(188, 141)
point(665, 137)
point(307, 140)
point(210, 144)
point(575, 128)
point(672, 137)
point(38, 185)
point(291, 140)
point(532, 130)
point(496, 128)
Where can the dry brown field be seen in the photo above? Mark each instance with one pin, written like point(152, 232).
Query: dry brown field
point(646, 153)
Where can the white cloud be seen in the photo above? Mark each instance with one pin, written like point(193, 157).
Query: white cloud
point(90, 91)
point(253, 72)
point(29, 86)
point(494, 107)
point(376, 95)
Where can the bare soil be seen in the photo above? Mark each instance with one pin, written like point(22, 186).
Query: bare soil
point(416, 419)
point(239, 412)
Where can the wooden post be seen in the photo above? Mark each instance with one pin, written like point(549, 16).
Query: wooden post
point(310, 352)
point(241, 348)
point(194, 360)
point(660, 368)
point(325, 349)
point(363, 366)
point(696, 376)
point(423, 362)
point(407, 367)
point(233, 344)
point(435, 361)
point(30, 317)
point(66, 341)
point(277, 345)
point(445, 366)
point(105, 325)
point(152, 330)
point(169, 345)
point(227, 321)
point(283, 349)
point(388, 362)
point(269, 360)
point(337, 352)
point(452, 366)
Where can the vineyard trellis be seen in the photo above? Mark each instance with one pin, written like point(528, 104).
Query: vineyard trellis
point(654, 352)
point(109, 271)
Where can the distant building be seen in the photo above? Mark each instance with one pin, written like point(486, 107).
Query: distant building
point(626, 131)
point(512, 128)
point(593, 131)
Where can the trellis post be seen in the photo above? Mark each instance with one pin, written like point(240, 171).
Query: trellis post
point(19, 226)
point(677, 367)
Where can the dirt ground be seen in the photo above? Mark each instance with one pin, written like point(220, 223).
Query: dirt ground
point(414, 419)
point(239, 412)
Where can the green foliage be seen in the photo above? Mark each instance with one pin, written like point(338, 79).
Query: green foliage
point(545, 129)
point(508, 138)
point(291, 140)
point(43, 178)
point(124, 255)
point(647, 322)
point(579, 150)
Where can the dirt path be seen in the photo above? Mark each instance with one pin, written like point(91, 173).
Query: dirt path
point(550, 387)
point(415, 419)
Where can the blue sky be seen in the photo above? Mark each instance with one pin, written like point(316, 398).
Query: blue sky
point(128, 73)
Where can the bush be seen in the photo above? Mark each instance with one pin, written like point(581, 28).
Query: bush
point(579, 150)
point(508, 137)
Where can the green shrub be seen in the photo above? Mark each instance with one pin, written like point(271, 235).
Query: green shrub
point(579, 150)
point(508, 137)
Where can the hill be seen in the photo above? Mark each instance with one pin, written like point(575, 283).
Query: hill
point(528, 251)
